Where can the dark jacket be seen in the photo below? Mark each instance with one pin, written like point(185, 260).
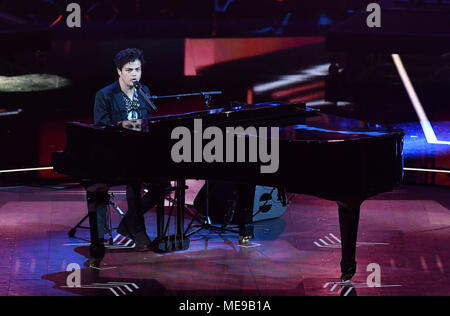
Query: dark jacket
point(110, 107)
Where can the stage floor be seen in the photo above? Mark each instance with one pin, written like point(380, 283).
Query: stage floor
point(406, 234)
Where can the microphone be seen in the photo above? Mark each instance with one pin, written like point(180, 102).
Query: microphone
point(138, 87)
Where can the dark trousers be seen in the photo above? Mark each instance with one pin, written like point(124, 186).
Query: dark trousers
point(138, 205)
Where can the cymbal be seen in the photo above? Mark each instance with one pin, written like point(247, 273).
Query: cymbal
point(32, 83)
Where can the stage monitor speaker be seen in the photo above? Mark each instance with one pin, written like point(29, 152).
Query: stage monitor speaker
point(225, 199)
point(269, 203)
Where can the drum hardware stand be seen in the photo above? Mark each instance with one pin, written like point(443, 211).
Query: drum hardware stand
point(206, 223)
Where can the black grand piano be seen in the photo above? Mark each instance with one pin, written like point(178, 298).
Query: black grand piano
point(330, 157)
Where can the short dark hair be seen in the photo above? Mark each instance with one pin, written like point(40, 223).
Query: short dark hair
point(127, 56)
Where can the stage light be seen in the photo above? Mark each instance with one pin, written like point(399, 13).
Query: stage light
point(32, 83)
point(430, 135)
point(306, 75)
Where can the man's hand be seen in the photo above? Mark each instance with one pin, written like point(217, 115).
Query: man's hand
point(135, 125)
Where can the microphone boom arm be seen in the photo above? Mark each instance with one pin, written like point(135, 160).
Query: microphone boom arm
point(178, 96)
point(146, 97)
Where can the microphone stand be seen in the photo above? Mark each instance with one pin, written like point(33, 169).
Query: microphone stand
point(146, 97)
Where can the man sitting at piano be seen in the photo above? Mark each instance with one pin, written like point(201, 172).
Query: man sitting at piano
point(121, 104)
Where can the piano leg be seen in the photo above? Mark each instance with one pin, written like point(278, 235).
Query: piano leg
point(348, 222)
point(97, 200)
point(245, 214)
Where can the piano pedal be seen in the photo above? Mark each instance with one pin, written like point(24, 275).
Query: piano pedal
point(170, 244)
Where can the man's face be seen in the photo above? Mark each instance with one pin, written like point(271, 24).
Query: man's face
point(130, 73)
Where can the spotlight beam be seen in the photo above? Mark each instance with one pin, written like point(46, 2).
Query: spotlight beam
point(25, 170)
point(427, 170)
point(430, 135)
